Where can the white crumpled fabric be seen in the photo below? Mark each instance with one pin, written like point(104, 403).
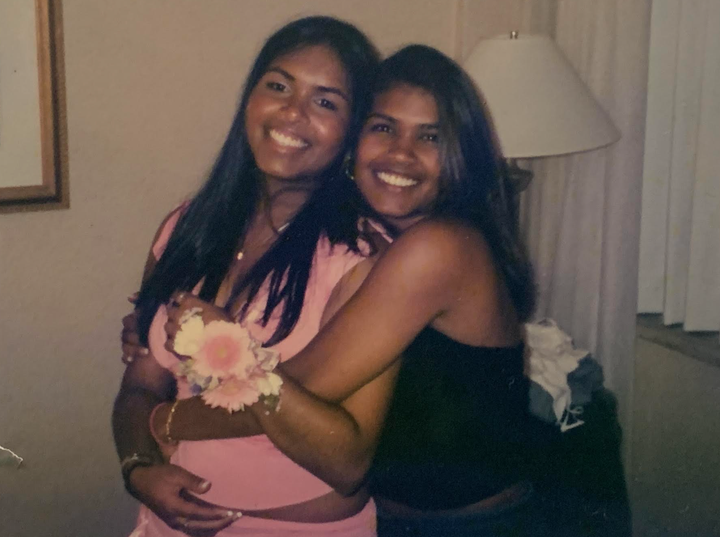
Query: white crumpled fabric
point(552, 357)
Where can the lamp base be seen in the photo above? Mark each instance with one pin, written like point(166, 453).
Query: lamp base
point(519, 179)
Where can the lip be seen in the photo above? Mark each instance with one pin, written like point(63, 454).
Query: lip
point(287, 139)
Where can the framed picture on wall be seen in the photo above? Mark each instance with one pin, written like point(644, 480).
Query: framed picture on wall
point(33, 126)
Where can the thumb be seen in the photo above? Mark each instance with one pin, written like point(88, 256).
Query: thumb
point(192, 482)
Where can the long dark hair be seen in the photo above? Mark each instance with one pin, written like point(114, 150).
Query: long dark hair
point(211, 226)
point(474, 184)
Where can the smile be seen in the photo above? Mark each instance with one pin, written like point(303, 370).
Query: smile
point(286, 140)
point(394, 179)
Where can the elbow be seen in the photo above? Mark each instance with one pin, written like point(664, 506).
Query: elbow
point(349, 486)
point(351, 476)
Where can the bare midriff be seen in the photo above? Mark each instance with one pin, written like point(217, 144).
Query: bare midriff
point(328, 508)
point(508, 497)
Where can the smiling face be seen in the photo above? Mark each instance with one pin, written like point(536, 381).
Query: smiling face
point(397, 163)
point(297, 114)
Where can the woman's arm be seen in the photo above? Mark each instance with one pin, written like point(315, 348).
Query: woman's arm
point(419, 281)
point(141, 389)
point(158, 485)
point(144, 385)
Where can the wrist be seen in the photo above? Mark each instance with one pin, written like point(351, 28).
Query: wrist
point(136, 482)
point(265, 407)
point(133, 462)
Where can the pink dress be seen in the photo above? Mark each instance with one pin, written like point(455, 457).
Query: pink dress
point(251, 473)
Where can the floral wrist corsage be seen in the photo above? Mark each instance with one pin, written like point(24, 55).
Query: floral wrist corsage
point(224, 364)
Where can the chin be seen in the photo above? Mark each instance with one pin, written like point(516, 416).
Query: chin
point(281, 172)
point(393, 212)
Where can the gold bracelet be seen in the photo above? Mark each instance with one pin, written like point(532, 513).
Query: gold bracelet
point(173, 408)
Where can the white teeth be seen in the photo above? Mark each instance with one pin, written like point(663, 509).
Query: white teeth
point(285, 140)
point(395, 180)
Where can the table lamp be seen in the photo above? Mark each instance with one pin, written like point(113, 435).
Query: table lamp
point(538, 103)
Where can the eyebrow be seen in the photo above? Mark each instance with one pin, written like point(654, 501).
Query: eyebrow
point(378, 115)
point(324, 89)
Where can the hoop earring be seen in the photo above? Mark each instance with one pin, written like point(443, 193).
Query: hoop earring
point(347, 167)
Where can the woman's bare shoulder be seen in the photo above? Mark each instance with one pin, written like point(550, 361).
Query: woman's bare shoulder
point(444, 244)
point(161, 238)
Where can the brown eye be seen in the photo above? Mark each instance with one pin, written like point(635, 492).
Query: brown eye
point(379, 127)
point(275, 86)
point(327, 103)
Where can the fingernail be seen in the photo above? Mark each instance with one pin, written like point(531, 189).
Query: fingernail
point(145, 352)
point(127, 359)
point(204, 484)
point(238, 514)
point(230, 513)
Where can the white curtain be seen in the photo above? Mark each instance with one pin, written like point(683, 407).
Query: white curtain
point(680, 240)
point(581, 214)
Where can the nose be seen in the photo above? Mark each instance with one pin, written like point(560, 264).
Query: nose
point(402, 148)
point(295, 109)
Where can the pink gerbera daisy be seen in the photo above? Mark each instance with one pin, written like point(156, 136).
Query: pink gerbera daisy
point(225, 351)
point(233, 394)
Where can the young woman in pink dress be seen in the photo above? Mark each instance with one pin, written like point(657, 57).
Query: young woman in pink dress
point(272, 209)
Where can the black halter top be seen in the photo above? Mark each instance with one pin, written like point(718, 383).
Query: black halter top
point(456, 428)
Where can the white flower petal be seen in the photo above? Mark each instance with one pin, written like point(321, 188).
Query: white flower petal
point(189, 338)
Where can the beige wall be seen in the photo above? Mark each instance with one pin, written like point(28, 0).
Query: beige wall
point(151, 88)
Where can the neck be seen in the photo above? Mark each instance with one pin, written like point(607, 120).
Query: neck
point(403, 223)
point(273, 186)
point(282, 199)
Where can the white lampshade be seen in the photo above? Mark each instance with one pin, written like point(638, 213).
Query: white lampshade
point(538, 103)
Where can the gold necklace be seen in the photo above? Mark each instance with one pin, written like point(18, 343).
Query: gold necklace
point(282, 228)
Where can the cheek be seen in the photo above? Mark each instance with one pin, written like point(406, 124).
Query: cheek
point(371, 195)
point(332, 133)
point(434, 170)
point(366, 151)
point(367, 186)
point(433, 193)
point(252, 115)
point(259, 107)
